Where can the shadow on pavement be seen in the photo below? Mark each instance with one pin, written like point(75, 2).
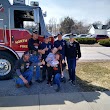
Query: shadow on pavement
point(46, 99)
point(87, 87)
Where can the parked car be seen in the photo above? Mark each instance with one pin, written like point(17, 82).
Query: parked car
point(66, 36)
point(89, 36)
point(82, 36)
point(98, 37)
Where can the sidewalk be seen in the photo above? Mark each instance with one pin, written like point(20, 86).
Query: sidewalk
point(58, 101)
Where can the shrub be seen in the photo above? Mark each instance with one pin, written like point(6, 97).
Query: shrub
point(86, 40)
point(104, 42)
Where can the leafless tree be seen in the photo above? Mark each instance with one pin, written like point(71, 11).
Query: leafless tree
point(69, 25)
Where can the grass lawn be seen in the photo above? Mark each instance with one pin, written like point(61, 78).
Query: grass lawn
point(93, 76)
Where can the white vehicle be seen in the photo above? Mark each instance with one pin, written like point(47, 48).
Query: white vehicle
point(82, 36)
point(89, 36)
point(66, 36)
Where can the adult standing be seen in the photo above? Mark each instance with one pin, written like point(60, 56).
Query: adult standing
point(73, 53)
point(60, 45)
point(46, 47)
point(34, 42)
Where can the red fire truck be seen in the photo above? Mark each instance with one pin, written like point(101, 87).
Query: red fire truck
point(15, 31)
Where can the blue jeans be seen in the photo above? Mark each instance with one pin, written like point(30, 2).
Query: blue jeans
point(57, 79)
point(37, 77)
point(27, 75)
point(71, 68)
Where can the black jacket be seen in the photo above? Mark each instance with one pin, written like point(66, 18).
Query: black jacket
point(31, 44)
point(73, 50)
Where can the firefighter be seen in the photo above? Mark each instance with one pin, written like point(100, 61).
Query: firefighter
point(47, 47)
point(34, 42)
point(73, 53)
point(22, 68)
point(60, 45)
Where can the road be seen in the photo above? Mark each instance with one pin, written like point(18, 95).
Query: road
point(95, 53)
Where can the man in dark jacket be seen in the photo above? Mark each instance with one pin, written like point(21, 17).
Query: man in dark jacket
point(73, 53)
point(34, 42)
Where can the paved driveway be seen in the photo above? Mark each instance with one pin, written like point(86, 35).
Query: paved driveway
point(95, 53)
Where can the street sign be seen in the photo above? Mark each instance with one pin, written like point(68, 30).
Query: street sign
point(19, 2)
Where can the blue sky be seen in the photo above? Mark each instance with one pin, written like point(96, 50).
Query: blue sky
point(88, 11)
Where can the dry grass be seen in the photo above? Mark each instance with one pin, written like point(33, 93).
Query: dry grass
point(94, 76)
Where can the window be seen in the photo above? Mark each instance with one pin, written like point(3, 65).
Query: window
point(21, 17)
point(25, 20)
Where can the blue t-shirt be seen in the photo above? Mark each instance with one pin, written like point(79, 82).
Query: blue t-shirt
point(63, 44)
point(34, 59)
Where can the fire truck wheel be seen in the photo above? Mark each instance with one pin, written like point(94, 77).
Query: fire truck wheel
point(6, 65)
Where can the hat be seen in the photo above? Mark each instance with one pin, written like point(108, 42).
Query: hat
point(60, 33)
point(26, 53)
point(45, 36)
point(35, 31)
point(71, 35)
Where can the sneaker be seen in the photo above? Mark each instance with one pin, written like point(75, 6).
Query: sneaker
point(48, 82)
point(73, 83)
point(38, 81)
point(51, 85)
point(30, 83)
point(58, 89)
point(69, 80)
point(27, 85)
point(18, 86)
point(64, 80)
